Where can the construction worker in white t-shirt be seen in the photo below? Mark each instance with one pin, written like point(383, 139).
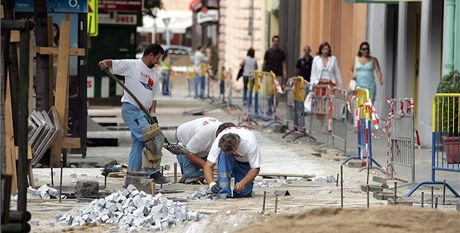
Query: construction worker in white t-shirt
point(198, 136)
point(237, 154)
point(142, 80)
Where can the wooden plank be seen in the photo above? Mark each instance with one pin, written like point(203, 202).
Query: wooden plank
point(50, 50)
point(62, 91)
point(9, 140)
point(2, 14)
point(69, 143)
point(14, 36)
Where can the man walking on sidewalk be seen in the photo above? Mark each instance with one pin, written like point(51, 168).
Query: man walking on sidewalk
point(237, 154)
point(143, 81)
point(275, 61)
point(198, 136)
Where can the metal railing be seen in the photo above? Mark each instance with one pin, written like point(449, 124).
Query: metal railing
point(445, 152)
point(339, 119)
point(401, 137)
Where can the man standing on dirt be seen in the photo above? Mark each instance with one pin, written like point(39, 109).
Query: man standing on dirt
point(197, 135)
point(237, 154)
point(143, 81)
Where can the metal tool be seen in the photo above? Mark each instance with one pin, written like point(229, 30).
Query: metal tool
point(156, 134)
point(232, 186)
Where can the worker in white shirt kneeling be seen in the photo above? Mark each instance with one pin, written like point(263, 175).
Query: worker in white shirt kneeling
point(237, 154)
point(198, 136)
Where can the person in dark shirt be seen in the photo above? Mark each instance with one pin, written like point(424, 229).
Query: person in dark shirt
point(275, 61)
point(303, 65)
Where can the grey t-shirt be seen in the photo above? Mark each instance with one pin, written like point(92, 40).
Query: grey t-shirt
point(249, 65)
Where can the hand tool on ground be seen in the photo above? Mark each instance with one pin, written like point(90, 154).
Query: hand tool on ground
point(154, 138)
point(232, 186)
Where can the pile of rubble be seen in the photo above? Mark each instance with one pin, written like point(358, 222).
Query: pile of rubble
point(133, 210)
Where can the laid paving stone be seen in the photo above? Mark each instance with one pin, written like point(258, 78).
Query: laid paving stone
point(400, 201)
point(355, 164)
point(372, 188)
point(382, 195)
point(86, 189)
point(379, 179)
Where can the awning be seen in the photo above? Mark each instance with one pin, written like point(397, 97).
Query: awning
point(179, 21)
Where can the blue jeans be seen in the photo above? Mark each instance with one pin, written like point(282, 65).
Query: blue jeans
point(271, 104)
point(188, 168)
point(136, 121)
point(299, 120)
point(199, 85)
point(165, 86)
point(245, 88)
point(227, 167)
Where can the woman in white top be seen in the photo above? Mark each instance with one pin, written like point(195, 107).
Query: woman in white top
point(325, 71)
point(249, 64)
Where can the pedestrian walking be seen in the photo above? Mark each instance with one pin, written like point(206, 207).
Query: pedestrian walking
point(249, 65)
point(275, 61)
point(166, 70)
point(364, 68)
point(304, 64)
point(200, 60)
point(143, 80)
point(325, 71)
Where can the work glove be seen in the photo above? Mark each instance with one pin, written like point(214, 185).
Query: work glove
point(214, 187)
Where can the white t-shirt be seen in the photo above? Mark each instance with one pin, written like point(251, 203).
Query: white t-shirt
point(198, 59)
point(248, 150)
point(198, 135)
point(142, 81)
point(249, 65)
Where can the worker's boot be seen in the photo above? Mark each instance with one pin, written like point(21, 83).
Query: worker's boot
point(158, 178)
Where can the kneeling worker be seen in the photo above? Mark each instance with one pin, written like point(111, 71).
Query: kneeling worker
point(237, 154)
point(197, 135)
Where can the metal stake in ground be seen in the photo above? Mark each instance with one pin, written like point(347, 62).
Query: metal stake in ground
point(60, 179)
point(337, 181)
point(423, 199)
point(436, 203)
point(396, 193)
point(276, 203)
point(153, 188)
point(52, 177)
point(175, 172)
point(432, 196)
point(341, 186)
point(444, 193)
point(367, 196)
point(263, 203)
point(161, 170)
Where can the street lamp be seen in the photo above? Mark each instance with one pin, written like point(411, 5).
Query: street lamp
point(166, 21)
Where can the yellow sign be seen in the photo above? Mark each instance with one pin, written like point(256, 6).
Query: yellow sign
point(92, 18)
